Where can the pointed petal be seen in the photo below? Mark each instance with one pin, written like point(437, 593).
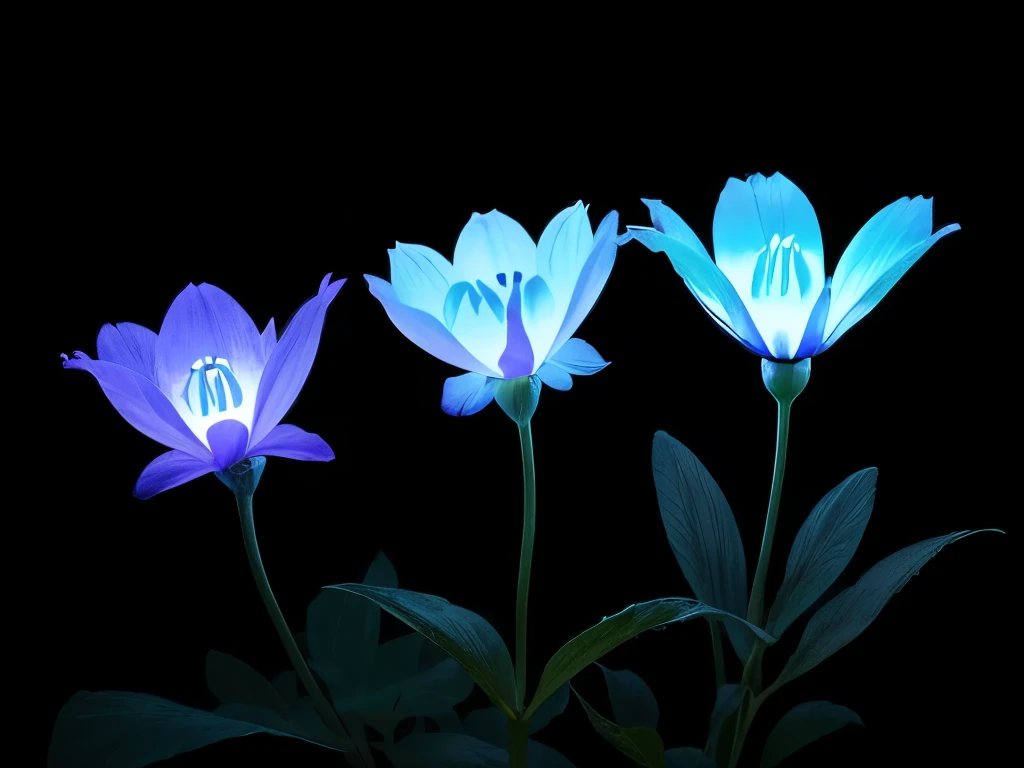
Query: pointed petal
point(555, 377)
point(202, 321)
point(671, 223)
point(491, 244)
point(576, 356)
point(228, 440)
point(880, 254)
point(590, 283)
point(290, 442)
point(268, 339)
point(130, 345)
point(708, 285)
point(563, 249)
point(420, 276)
point(169, 470)
point(291, 360)
point(141, 404)
point(467, 394)
point(816, 324)
point(424, 330)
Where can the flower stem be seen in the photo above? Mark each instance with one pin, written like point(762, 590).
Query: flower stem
point(518, 730)
point(716, 649)
point(323, 707)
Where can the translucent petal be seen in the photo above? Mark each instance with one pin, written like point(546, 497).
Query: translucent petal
point(290, 442)
point(814, 334)
point(563, 249)
point(269, 339)
point(169, 470)
point(668, 221)
point(130, 345)
point(492, 244)
point(467, 394)
point(579, 357)
point(228, 440)
point(555, 377)
point(420, 276)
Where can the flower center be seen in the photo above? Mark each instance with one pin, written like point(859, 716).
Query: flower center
point(211, 387)
point(779, 262)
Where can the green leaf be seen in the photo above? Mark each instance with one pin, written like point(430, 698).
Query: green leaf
point(552, 707)
point(723, 721)
point(702, 532)
point(431, 692)
point(231, 680)
point(633, 702)
point(640, 744)
point(802, 725)
point(452, 750)
point(850, 612)
point(687, 757)
point(113, 729)
point(823, 547)
point(342, 632)
point(613, 631)
point(469, 639)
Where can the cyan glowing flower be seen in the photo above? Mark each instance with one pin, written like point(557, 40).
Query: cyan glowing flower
point(209, 385)
point(507, 307)
point(766, 286)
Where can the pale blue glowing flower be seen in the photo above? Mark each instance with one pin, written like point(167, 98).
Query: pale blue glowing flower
point(767, 286)
point(209, 385)
point(507, 307)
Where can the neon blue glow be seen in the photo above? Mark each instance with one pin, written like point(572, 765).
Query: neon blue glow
point(766, 286)
point(209, 383)
point(505, 307)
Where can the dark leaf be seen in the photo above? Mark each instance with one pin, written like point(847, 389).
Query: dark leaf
point(641, 745)
point(802, 725)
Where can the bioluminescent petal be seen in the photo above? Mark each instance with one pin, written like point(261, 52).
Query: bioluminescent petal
point(563, 249)
point(671, 223)
point(555, 377)
point(467, 394)
point(591, 282)
point(130, 345)
point(291, 360)
point(492, 244)
point(204, 321)
point(268, 339)
point(880, 254)
point(815, 331)
point(169, 470)
point(290, 442)
point(228, 440)
point(768, 243)
point(420, 276)
point(424, 330)
point(453, 301)
point(706, 282)
point(141, 403)
point(578, 357)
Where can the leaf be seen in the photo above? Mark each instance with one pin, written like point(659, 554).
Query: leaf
point(613, 631)
point(542, 756)
point(633, 702)
point(488, 724)
point(452, 750)
point(851, 611)
point(287, 685)
point(640, 744)
point(231, 680)
point(342, 632)
point(113, 729)
point(702, 532)
point(802, 725)
point(687, 757)
point(552, 707)
point(428, 693)
point(399, 659)
point(723, 716)
point(469, 639)
point(823, 547)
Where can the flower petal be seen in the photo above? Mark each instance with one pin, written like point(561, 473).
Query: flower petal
point(289, 441)
point(898, 235)
point(205, 321)
point(228, 440)
point(869, 299)
point(169, 470)
point(268, 339)
point(576, 356)
point(563, 249)
point(590, 283)
point(289, 364)
point(424, 330)
point(555, 377)
point(467, 394)
point(420, 277)
point(708, 285)
point(141, 404)
point(815, 330)
point(491, 244)
point(671, 223)
point(130, 345)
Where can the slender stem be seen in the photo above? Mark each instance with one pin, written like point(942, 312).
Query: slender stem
point(525, 559)
point(716, 649)
point(518, 743)
point(755, 609)
point(330, 717)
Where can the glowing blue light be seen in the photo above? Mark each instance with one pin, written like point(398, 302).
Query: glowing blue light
point(208, 383)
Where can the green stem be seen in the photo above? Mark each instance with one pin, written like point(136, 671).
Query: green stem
point(716, 649)
point(330, 717)
point(518, 743)
point(525, 559)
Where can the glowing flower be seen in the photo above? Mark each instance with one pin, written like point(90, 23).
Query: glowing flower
point(209, 385)
point(766, 286)
point(507, 307)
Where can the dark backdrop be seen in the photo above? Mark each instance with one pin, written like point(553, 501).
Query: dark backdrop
point(263, 198)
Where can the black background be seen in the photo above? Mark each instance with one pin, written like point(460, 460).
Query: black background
point(261, 191)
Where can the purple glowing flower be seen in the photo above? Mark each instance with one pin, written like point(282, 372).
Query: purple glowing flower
point(209, 385)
